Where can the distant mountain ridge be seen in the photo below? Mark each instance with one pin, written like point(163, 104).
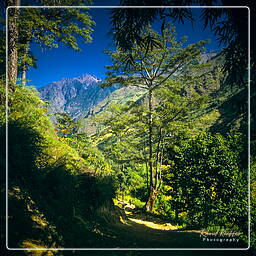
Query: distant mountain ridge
point(82, 97)
point(75, 96)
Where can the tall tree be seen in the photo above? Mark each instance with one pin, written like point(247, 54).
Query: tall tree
point(46, 26)
point(13, 34)
point(2, 47)
point(149, 65)
point(230, 25)
point(56, 25)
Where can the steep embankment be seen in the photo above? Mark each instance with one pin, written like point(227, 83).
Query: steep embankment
point(54, 200)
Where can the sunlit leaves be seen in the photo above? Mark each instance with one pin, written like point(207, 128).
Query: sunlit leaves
point(207, 175)
point(152, 62)
point(50, 26)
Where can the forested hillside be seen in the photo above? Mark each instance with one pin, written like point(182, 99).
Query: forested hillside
point(153, 156)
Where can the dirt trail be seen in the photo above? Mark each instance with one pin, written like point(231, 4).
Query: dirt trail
point(144, 231)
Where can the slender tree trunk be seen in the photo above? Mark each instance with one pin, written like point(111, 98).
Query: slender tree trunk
point(147, 175)
point(123, 187)
point(158, 159)
point(12, 43)
point(151, 199)
point(150, 128)
point(24, 64)
point(161, 154)
point(24, 73)
point(152, 192)
point(146, 163)
point(160, 169)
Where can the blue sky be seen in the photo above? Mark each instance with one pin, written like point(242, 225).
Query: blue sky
point(62, 62)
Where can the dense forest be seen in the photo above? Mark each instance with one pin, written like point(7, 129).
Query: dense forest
point(161, 163)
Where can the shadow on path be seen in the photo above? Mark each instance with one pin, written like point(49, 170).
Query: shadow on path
point(142, 230)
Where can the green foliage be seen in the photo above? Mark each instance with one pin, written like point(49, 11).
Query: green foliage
point(53, 191)
point(50, 26)
point(253, 202)
point(138, 187)
point(178, 106)
point(96, 160)
point(131, 181)
point(66, 127)
point(122, 133)
point(128, 24)
point(68, 130)
point(228, 24)
point(147, 66)
point(156, 62)
point(27, 107)
point(208, 182)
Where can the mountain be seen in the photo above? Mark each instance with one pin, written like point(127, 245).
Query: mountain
point(121, 95)
point(83, 98)
point(74, 96)
point(210, 84)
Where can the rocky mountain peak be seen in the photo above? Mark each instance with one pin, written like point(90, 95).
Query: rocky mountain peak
point(85, 79)
point(88, 79)
point(74, 95)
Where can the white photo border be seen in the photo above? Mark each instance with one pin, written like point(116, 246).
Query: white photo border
point(130, 249)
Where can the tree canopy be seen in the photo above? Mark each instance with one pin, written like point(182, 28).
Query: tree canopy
point(150, 65)
point(47, 27)
point(230, 26)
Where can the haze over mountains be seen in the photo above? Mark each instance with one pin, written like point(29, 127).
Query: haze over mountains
point(75, 96)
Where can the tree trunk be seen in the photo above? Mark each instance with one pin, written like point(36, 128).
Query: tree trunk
point(24, 63)
point(147, 175)
point(150, 129)
point(23, 77)
point(151, 192)
point(160, 169)
point(151, 199)
point(158, 159)
point(12, 43)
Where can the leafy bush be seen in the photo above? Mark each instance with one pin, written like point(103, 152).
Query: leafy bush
point(208, 182)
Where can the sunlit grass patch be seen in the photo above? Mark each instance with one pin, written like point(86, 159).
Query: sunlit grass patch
point(34, 244)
